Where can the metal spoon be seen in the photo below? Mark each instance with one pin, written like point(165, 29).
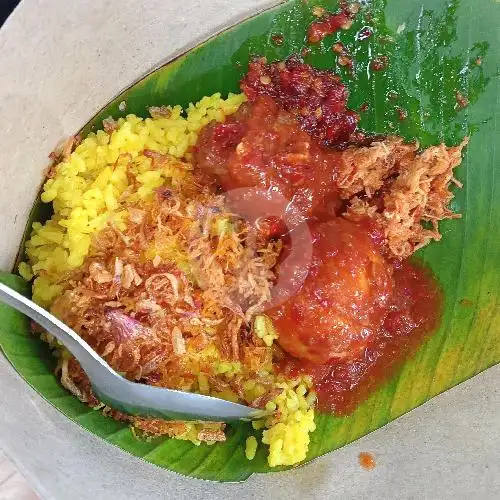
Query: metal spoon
point(118, 392)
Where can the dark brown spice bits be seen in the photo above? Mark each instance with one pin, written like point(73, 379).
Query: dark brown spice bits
point(379, 63)
point(278, 39)
point(402, 113)
point(462, 101)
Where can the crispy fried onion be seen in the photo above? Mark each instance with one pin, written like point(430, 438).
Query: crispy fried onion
point(164, 286)
point(63, 151)
point(170, 286)
point(203, 431)
point(195, 288)
point(74, 379)
point(68, 383)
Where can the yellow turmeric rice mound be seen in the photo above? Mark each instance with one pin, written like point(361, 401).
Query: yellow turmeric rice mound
point(157, 274)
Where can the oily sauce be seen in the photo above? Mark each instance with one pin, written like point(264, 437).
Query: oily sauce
point(329, 24)
point(367, 460)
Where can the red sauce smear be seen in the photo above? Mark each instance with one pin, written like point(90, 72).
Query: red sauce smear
point(462, 101)
point(329, 25)
point(367, 460)
point(316, 98)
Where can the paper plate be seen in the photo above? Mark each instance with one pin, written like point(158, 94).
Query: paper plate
point(57, 74)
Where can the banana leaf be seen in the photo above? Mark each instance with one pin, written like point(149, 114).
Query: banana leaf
point(436, 49)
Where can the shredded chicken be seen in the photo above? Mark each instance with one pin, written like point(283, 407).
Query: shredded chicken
point(416, 195)
point(364, 169)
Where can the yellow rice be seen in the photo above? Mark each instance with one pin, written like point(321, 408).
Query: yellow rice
point(90, 189)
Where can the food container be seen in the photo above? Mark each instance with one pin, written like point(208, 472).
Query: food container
point(60, 64)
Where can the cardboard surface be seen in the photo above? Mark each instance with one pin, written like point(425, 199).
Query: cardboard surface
point(446, 449)
point(60, 64)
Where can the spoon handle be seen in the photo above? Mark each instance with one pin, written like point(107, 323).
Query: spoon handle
point(91, 363)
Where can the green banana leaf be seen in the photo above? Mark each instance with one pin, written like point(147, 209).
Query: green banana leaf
point(436, 48)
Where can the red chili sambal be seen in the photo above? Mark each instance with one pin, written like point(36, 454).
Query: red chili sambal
point(328, 25)
point(360, 312)
point(316, 98)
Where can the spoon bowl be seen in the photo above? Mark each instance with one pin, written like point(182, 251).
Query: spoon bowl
point(122, 394)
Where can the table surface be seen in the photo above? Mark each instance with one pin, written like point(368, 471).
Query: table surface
point(13, 485)
point(6, 7)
